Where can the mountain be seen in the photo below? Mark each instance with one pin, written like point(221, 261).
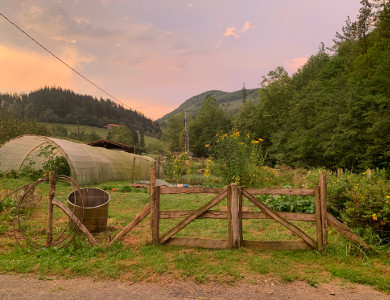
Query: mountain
point(56, 105)
point(230, 101)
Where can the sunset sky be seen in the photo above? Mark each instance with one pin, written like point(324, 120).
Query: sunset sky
point(155, 54)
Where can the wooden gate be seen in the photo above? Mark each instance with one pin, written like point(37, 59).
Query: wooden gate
point(234, 215)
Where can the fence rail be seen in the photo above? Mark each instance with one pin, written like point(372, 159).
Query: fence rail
point(235, 215)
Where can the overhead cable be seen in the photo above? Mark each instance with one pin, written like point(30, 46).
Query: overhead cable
point(55, 56)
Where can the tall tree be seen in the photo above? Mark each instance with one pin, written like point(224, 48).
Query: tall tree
point(209, 121)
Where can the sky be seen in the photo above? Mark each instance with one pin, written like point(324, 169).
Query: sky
point(153, 55)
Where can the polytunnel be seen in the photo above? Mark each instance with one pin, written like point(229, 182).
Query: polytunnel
point(88, 165)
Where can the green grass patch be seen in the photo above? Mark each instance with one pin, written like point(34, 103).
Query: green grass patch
point(136, 259)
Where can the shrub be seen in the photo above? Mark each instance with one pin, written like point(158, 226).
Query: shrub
point(239, 157)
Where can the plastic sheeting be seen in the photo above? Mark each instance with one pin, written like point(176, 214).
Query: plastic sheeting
point(89, 165)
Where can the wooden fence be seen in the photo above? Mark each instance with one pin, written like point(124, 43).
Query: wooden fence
point(234, 198)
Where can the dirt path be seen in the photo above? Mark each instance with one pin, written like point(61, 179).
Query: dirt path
point(26, 287)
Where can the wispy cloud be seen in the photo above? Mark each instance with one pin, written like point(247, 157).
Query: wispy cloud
point(294, 64)
point(189, 5)
point(230, 31)
point(247, 26)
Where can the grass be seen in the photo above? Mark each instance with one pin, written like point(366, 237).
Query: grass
point(135, 259)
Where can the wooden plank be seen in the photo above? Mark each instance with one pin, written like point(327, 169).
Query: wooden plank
point(279, 219)
point(178, 214)
point(318, 218)
point(138, 218)
point(285, 215)
point(190, 190)
point(276, 245)
point(240, 213)
point(283, 191)
point(75, 220)
point(52, 192)
point(229, 216)
point(199, 243)
point(235, 216)
point(345, 231)
point(214, 214)
point(324, 223)
point(193, 216)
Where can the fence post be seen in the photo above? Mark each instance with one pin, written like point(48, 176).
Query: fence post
point(324, 222)
point(155, 208)
point(234, 216)
point(318, 218)
point(240, 214)
point(52, 191)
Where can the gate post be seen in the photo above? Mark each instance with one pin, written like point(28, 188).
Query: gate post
point(324, 205)
point(321, 210)
point(235, 226)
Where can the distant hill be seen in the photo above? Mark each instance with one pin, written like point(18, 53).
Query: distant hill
point(230, 101)
point(56, 105)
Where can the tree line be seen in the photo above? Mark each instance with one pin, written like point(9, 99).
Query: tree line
point(57, 105)
point(334, 112)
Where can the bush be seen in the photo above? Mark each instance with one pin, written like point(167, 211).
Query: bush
point(239, 157)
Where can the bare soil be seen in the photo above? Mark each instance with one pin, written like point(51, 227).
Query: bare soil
point(28, 287)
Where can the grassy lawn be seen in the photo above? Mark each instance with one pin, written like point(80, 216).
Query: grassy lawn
point(136, 259)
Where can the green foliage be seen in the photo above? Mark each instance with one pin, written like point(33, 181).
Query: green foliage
point(239, 157)
point(210, 120)
point(176, 167)
point(53, 161)
point(173, 133)
point(11, 127)
point(334, 111)
point(122, 134)
point(57, 105)
point(301, 204)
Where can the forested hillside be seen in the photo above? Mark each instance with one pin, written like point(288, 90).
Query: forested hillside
point(229, 101)
point(56, 105)
point(334, 112)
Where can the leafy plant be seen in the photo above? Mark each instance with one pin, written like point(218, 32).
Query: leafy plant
point(53, 162)
point(239, 157)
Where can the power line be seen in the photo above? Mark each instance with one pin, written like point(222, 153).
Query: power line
point(55, 56)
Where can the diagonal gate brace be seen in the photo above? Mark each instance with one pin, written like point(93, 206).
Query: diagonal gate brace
point(193, 216)
point(279, 219)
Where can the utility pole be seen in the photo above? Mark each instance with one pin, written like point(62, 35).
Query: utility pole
point(186, 136)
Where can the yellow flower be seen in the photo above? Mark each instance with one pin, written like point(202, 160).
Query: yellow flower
point(374, 217)
point(388, 197)
point(242, 143)
point(261, 140)
point(248, 135)
point(255, 142)
point(207, 145)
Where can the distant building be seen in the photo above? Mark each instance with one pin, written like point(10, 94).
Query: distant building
point(111, 126)
point(116, 146)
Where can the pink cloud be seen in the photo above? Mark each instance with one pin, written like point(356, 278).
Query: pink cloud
point(247, 26)
point(230, 32)
point(294, 64)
